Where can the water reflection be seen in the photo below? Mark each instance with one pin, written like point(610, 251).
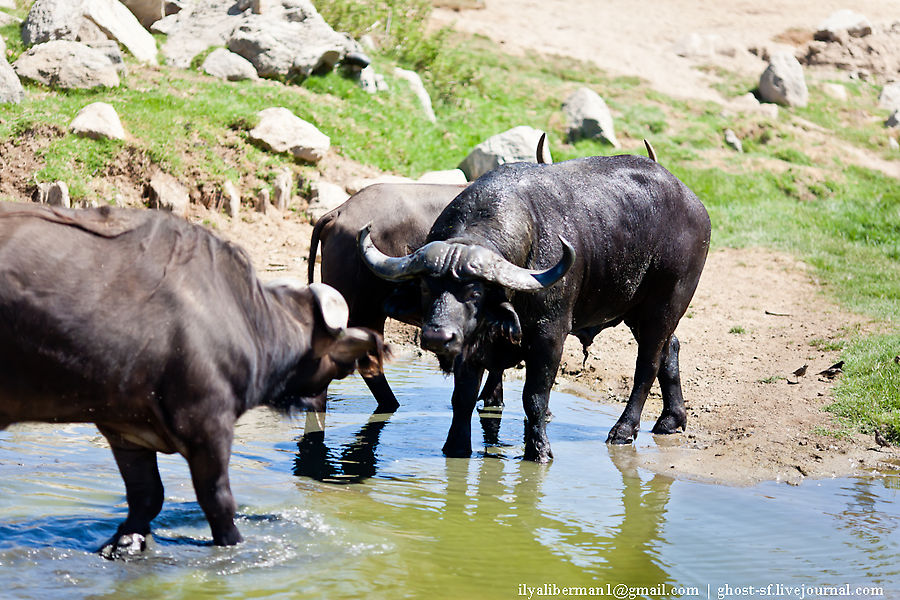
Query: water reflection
point(353, 463)
point(528, 519)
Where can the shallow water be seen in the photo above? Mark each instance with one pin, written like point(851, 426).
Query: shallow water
point(373, 509)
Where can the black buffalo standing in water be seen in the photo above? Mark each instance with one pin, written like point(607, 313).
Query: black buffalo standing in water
point(530, 253)
point(161, 334)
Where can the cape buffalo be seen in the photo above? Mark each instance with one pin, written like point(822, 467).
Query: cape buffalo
point(401, 215)
point(530, 253)
point(161, 334)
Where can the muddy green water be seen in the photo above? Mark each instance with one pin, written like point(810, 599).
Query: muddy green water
point(371, 509)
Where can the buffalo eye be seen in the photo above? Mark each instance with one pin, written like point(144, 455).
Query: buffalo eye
point(473, 293)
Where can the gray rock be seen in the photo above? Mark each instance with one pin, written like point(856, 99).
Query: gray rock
point(65, 64)
point(287, 48)
point(733, 140)
point(52, 194)
point(853, 23)
point(783, 82)
point(893, 120)
point(199, 26)
point(283, 188)
point(324, 197)
point(287, 37)
point(52, 20)
point(232, 200)
point(225, 64)
point(98, 120)
point(449, 176)
point(835, 90)
point(371, 81)
point(282, 131)
point(120, 24)
point(167, 193)
point(889, 98)
point(11, 90)
point(415, 83)
point(111, 49)
point(587, 116)
point(515, 145)
point(88, 20)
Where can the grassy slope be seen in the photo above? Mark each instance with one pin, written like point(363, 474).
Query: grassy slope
point(843, 221)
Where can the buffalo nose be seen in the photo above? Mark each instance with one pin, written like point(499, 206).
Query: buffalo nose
point(437, 339)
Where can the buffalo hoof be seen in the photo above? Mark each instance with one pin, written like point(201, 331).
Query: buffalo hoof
point(622, 433)
point(457, 450)
point(670, 423)
point(125, 546)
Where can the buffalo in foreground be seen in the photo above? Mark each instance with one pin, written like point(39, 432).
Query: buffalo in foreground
point(530, 253)
point(161, 334)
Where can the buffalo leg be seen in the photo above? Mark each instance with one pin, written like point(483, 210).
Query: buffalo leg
point(384, 395)
point(465, 395)
point(209, 472)
point(673, 417)
point(650, 348)
point(541, 366)
point(492, 392)
point(144, 492)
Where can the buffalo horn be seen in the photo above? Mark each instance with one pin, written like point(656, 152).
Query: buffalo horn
point(521, 279)
point(461, 260)
point(386, 267)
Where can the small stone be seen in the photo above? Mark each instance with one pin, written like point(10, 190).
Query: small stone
point(98, 120)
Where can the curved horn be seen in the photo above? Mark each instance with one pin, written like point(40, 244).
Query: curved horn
point(527, 280)
point(651, 154)
point(386, 267)
point(543, 155)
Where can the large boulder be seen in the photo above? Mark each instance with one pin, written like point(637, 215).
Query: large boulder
point(118, 23)
point(98, 120)
point(282, 47)
point(88, 20)
point(65, 64)
point(783, 82)
point(282, 131)
point(52, 20)
point(11, 91)
point(588, 117)
point(843, 22)
point(518, 144)
point(225, 64)
point(284, 38)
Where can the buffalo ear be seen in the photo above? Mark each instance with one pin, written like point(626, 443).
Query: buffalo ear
point(505, 321)
point(331, 306)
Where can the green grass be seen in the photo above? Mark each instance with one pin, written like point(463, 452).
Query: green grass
point(869, 395)
point(842, 220)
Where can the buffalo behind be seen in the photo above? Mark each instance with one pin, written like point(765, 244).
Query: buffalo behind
point(161, 334)
point(530, 253)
